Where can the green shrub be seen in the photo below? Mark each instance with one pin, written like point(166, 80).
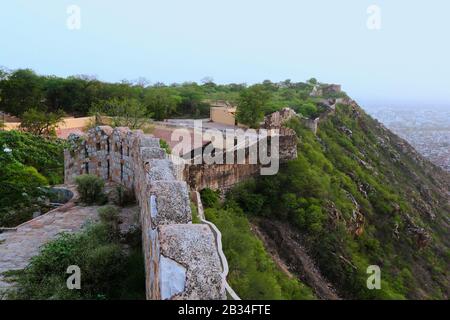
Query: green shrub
point(307, 109)
point(107, 271)
point(195, 216)
point(90, 188)
point(209, 197)
point(253, 274)
point(123, 196)
point(164, 145)
point(12, 217)
point(27, 163)
point(19, 192)
point(45, 155)
point(109, 214)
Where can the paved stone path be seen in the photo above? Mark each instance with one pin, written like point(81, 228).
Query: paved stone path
point(17, 247)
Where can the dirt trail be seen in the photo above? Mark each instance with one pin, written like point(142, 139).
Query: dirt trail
point(282, 243)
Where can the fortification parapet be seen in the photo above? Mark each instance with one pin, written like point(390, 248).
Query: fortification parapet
point(181, 258)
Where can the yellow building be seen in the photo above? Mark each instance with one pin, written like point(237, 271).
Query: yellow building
point(223, 115)
point(223, 112)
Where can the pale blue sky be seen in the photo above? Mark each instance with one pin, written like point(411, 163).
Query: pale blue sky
point(406, 63)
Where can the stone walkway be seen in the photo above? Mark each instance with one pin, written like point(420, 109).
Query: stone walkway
point(17, 247)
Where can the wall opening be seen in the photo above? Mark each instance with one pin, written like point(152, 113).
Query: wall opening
point(108, 168)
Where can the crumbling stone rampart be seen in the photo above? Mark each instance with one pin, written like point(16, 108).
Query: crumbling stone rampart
point(224, 176)
point(181, 258)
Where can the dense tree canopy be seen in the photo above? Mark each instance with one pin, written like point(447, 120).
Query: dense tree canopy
point(23, 89)
point(161, 102)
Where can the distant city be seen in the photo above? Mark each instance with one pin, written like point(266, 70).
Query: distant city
point(426, 129)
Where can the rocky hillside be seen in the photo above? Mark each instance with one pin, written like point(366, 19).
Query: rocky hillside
point(357, 195)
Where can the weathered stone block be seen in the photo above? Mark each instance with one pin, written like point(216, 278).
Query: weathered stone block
point(149, 142)
point(159, 169)
point(192, 246)
point(172, 277)
point(148, 153)
point(172, 202)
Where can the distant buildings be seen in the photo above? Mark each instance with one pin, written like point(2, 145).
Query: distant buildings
point(426, 129)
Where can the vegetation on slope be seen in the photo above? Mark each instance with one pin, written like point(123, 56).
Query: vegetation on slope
point(253, 274)
point(358, 198)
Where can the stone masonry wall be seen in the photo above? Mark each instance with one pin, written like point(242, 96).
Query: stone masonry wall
point(278, 118)
point(224, 176)
point(181, 258)
point(219, 176)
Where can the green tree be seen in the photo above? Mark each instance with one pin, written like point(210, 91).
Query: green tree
point(308, 109)
point(21, 89)
point(39, 122)
point(129, 113)
point(192, 100)
point(161, 102)
point(250, 105)
point(74, 95)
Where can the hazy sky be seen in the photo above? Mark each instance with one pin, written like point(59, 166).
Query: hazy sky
point(405, 63)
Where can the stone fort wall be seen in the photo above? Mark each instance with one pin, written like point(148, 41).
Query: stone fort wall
point(224, 176)
point(181, 258)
